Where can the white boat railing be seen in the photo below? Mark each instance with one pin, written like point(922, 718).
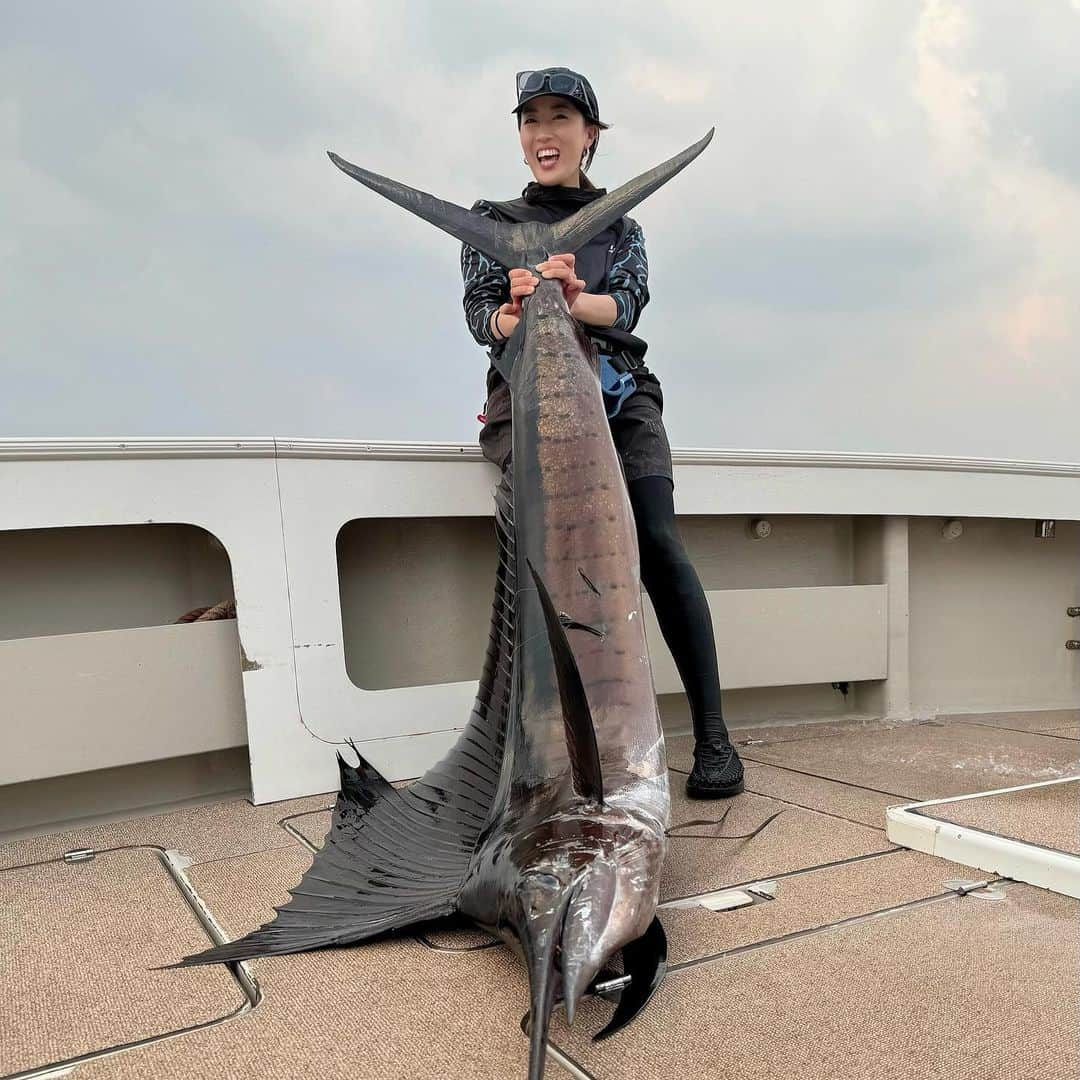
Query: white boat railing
point(277, 505)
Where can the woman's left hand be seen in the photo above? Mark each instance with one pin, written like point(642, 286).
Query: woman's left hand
point(561, 267)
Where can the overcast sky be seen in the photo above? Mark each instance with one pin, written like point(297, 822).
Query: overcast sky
point(879, 251)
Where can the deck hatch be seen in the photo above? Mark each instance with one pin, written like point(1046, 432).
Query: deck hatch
point(81, 941)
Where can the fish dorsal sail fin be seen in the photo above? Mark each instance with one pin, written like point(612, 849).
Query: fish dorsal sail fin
point(527, 243)
point(388, 861)
point(398, 856)
point(577, 718)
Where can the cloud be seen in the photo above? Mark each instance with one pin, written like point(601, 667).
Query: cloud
point(1036, 319)
point(881, 239)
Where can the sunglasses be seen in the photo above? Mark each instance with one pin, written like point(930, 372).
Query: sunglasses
point(530, 82)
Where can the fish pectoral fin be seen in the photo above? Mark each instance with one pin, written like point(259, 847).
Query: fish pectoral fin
point(645, 961)
point(568, 623)
point(392, 858)
point(577, 717)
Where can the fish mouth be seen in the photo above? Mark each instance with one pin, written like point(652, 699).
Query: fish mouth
point(544, 903)
point(588, 935)
point(573, 921)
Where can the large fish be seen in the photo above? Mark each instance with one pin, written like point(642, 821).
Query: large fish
point(545, 824)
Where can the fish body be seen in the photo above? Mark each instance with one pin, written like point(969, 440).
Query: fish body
point(545, 824)
point(570, 866)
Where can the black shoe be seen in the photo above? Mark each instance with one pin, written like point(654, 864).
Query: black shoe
point(717, 772)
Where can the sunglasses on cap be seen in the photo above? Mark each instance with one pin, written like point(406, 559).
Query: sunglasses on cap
point(569, 84)
point(532, 82)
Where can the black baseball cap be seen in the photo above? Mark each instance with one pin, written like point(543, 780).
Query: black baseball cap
point(562, 82)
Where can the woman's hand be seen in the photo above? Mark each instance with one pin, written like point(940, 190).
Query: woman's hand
point(522, 283)
point(505, 319)
point(561, 267)
point(504, 322)
point(595, 309)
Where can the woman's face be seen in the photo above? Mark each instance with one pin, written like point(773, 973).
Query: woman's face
point(554, 135)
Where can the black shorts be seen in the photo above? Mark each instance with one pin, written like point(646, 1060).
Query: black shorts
point(638, 431)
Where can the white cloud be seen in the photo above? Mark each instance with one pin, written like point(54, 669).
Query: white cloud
point(884, 226)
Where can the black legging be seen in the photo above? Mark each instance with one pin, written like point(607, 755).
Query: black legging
point(679, 601)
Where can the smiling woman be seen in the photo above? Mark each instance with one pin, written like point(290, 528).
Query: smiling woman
point(605, 285)
point(559, 134)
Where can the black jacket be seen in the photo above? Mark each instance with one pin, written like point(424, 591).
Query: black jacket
point(613, 262)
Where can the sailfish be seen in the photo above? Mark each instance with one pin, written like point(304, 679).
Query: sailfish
point(545, 823)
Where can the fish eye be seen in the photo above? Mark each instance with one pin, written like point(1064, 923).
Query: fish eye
point(543, 880)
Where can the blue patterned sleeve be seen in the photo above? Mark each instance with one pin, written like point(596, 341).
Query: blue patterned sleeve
point(628, 282)
point(487, 286)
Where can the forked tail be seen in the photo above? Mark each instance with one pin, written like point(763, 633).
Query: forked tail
point(531, 242)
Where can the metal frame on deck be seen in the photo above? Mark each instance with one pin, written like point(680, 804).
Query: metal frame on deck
point(912, 827)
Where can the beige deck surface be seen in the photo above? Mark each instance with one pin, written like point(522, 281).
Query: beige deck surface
point(708, 860)
point(929, 761)
point(680, 748)
point(379, 1011)
point(827, 796)
point(213, 831)
point(1061, 722)
point(779, 733)
point(78, 941)
point(810, 898)
point(949, 989)
point(1048, 816)
point(959, 989)
point(313, 825)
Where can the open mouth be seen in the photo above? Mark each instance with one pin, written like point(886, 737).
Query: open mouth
point(548, 158)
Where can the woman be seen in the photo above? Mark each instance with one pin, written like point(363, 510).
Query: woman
point(605, 285)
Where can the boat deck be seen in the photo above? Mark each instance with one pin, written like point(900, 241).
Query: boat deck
point(848, 955)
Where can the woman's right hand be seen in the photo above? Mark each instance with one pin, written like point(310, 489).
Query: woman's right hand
point(522, 283)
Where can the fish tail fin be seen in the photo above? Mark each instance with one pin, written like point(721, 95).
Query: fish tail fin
point(531, 242)
point(577, 717)
point(573, 233)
